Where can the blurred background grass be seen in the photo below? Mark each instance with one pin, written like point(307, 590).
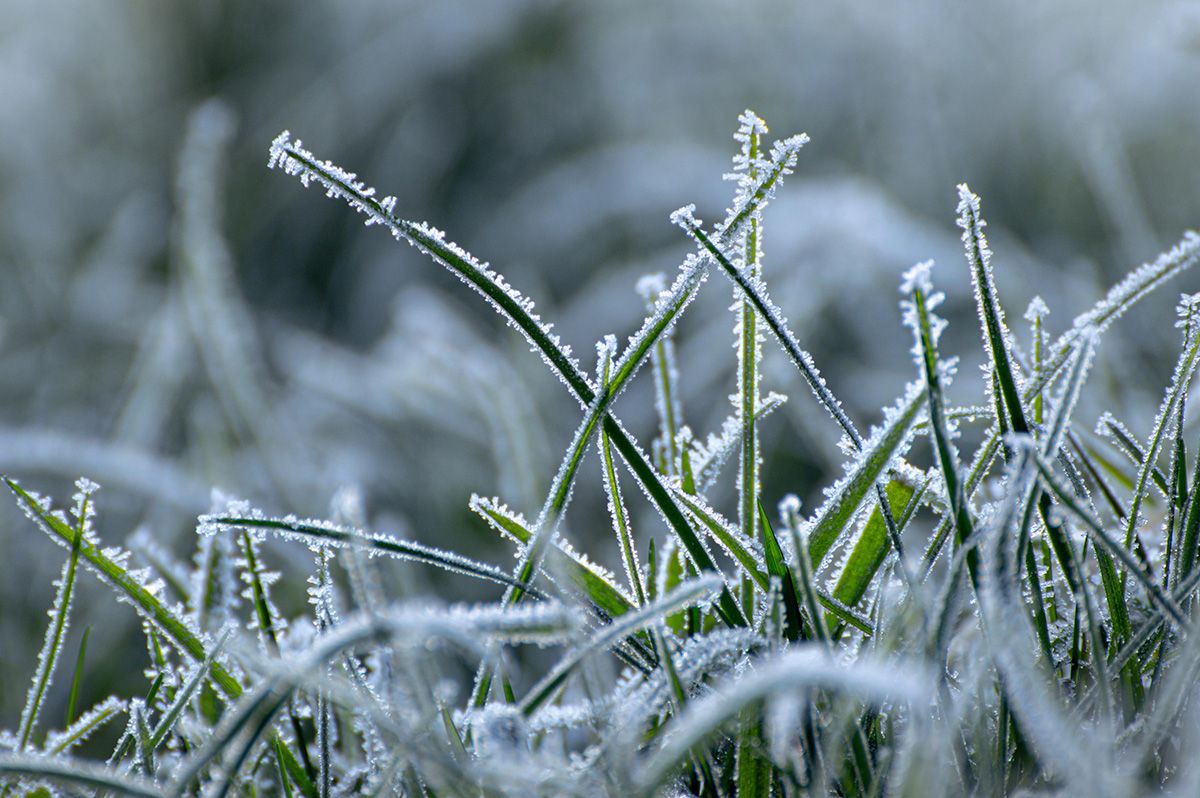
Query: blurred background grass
point(551, 139)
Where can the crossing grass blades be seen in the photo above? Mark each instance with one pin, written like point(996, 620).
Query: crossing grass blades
point(1016, 618)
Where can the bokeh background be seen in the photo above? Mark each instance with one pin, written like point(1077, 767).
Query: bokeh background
point(174, 316)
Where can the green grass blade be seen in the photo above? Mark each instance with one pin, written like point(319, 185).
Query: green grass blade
point(1101, 537)
point(77, 678)
point(871, 549)
point(778, 568)
point(596, 584)
point(167, 621)
point(996, 335)
point(83, 726)
point(888, 442)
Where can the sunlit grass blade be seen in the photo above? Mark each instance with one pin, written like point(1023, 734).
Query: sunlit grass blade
point(887, 443)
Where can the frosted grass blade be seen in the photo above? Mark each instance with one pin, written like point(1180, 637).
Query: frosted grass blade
point(323, 532)
point(52, 646)
point(171, 622)
point(1101, 537)
point(801, 668)
point(83, 726)
point(69, 771)
point(887, 442)
point(587, 578)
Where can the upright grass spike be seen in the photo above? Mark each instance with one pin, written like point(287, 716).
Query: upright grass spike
point(991, 316)
point(747, 165)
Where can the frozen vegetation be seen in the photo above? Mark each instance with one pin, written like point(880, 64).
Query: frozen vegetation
point(838, 480)
point(986, 601)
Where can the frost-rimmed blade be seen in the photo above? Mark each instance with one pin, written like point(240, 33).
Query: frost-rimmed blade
point(886, 443)
point(518, 310)
point(871, 548)
point(686, 594)
point(84, 774)
point(173, 623)
point(318, 532)
point(412, 625)
point(801, 668)
point(52, 646)
point(927, 328)
point(707, 458)
point(104, 563)
point(1122, 296)
point(1185, 370)
point(669, 411)
point(996, 335)
point(82, 727)
point(750, 557)
point(1101, 537)
point(594, 583)
point(754, 289)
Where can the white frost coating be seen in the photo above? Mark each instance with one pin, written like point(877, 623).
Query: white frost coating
point(1068, 395)
point(649, 286)
point(979, 257)
point(696, 660)
point(339, 183)
point(1037, 310)
point(492, 509)
point(327, 533)
point(61, 742)
point(919, 278)
point(801, 668)
point(754, 547)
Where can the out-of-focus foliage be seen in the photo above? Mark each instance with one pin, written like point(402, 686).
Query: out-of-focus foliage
point(165, 330)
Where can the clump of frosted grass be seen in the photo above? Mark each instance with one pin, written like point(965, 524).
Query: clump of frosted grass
point(912, 634)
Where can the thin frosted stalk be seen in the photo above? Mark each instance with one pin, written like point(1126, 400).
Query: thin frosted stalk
point(748, 345)
point(612, 487)
point(52, 645)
